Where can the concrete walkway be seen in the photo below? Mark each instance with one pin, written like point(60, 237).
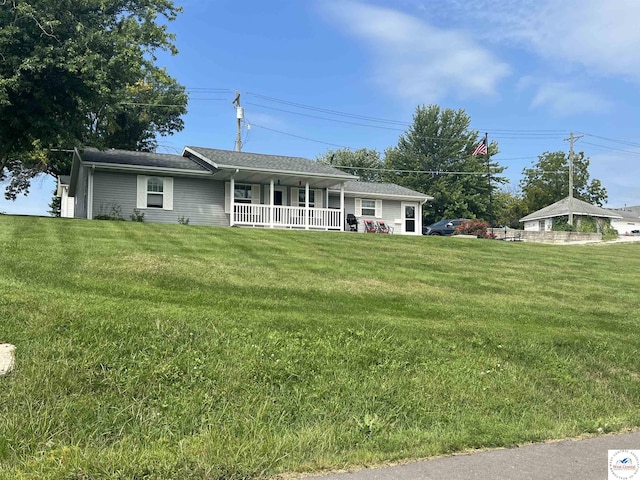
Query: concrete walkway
point(569, 459)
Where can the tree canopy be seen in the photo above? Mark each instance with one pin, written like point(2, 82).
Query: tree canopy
point(364, 162)
point(435, 157)
point(547, 181)
point(82, 73)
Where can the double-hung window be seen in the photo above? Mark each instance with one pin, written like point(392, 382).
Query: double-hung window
point(155, 192)
point(242, 193)
point(312, 198)
point(315, 197)
point(368, 207)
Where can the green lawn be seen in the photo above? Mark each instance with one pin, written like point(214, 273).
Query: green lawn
point(169, 351)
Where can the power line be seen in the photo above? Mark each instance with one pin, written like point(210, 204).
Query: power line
point(329, 111)
point(623, 142)
point(298, 136)
point(324, 118)
point(612, 148)
point(431, 172)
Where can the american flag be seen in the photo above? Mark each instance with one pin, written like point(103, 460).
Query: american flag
point(481, 149)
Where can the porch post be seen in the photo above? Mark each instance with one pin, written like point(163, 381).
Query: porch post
point(271, 197)
point(232, 189)
point(306, 206)
point(326, 217)
point(342, 206)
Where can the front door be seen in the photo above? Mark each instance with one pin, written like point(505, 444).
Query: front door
point(409, 220)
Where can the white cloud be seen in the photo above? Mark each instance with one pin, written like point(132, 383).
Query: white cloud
point(565, 99)
point(417, 61)
point(601, 36)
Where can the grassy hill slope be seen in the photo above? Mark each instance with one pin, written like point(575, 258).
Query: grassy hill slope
point(172, 351)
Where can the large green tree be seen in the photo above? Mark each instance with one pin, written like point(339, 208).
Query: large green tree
point(82, 72)
point(435, 157)
point(364, 162)
point(547, 181)
point(508, 208)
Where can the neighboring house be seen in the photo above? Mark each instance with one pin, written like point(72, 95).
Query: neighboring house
point(542, 220)
point(226, 188)
point(62, 191)
point(630, 220)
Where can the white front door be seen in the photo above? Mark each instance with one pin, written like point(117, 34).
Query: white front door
point(410, 212)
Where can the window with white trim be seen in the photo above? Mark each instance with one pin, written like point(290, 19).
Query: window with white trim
point(368, 207)
point(242, 193)
point(315, 197)
point(155, 192)
point(312, 198)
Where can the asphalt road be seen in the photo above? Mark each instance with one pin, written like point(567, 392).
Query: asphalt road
point(569, 459)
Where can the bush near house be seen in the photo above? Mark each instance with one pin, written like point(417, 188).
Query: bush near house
point(475, 227)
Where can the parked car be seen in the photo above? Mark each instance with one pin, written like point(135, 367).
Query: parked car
point(446, 226)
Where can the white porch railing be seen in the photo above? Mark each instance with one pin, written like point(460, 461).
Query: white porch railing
point(287, 217)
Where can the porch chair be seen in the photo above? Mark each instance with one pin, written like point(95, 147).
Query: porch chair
point(370, 226)
point(383, 227)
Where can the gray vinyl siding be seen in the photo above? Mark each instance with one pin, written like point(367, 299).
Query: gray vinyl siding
point(200, 200)
point(392, 211)
point(113, 191)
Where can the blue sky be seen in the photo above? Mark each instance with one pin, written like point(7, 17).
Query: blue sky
point(526, 72)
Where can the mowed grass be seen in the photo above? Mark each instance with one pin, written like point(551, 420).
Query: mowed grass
point(169, 351)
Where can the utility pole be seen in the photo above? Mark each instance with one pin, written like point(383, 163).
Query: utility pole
point(239, 117)
point(486, 146)
point(572, 139)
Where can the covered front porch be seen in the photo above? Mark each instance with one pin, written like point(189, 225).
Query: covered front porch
point(273, 211)
point(287, 217)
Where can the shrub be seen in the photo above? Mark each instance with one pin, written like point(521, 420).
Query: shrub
point(561, 224)
point(137, 216)
point(609, 233)
point(114, 212)
point(475, 227)
point(587, 225)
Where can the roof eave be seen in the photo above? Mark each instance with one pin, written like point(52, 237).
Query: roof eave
point(390, 196)
point(145, 168)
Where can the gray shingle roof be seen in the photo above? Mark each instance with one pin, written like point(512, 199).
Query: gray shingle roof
point(578, 207)
point(144, 159)
point(259, 161)
point(374, 188)
point(631, 213)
